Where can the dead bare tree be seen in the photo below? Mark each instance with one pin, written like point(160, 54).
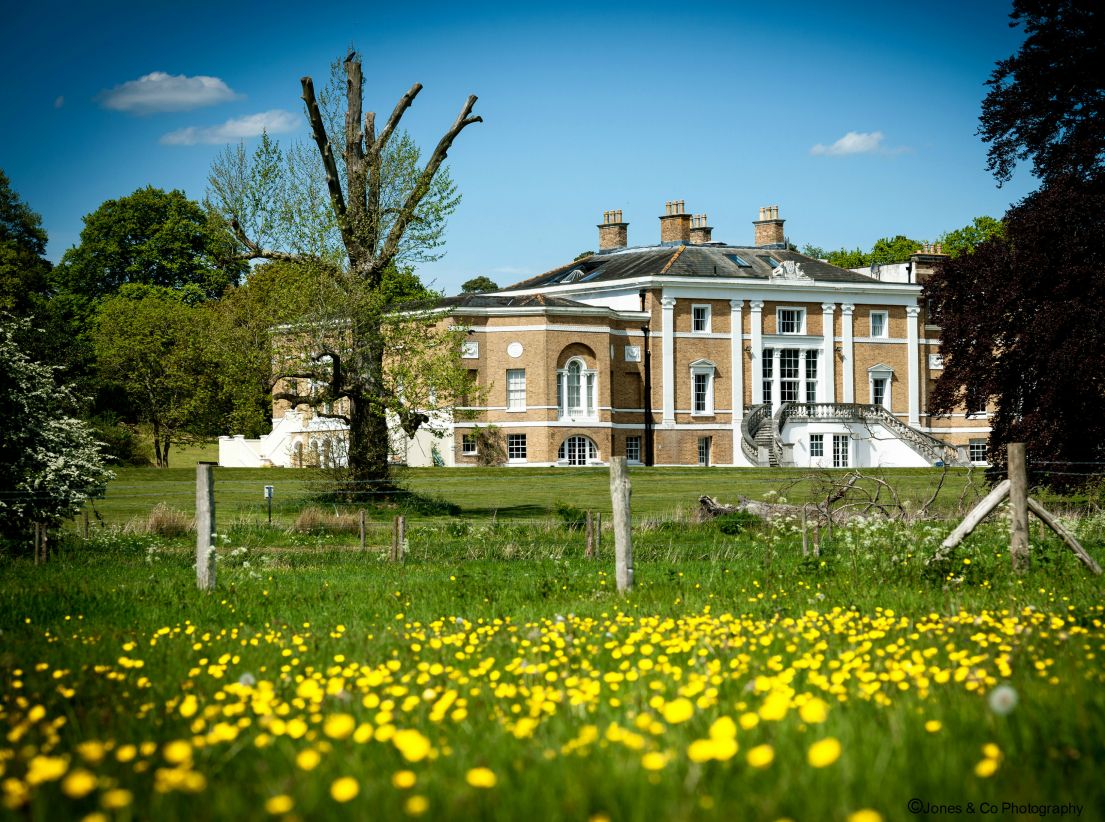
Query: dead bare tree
point(345, 372)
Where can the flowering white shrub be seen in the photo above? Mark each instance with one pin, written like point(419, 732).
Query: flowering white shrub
point(50, 463)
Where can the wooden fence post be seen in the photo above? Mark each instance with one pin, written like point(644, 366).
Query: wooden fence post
point(362, 528)
point(205, 526)
point(589, 538)
point(623, 544)
point(598, 532)
point(398, 538)
point(1018, 506)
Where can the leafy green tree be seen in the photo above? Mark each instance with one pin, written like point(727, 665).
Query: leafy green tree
point(479, 285)
point(895, 249)
point(815, 251)
point(966, 239)
point(849, 259)
point(151, 237)
point(50, 463)
point(243, 336)
point(23, 266)
point(150, 342)
point(1047, 102)
point(371, 207)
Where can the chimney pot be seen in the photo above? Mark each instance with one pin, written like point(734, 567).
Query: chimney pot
point(700, 231)
point(768, 230)
point(613, 233)
point(675, 225)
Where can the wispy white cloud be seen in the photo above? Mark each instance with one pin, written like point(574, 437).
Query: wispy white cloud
point(59, 101)
point(275, 121)
point(158, 91)
point(857, 142)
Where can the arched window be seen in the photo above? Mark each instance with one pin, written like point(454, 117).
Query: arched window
point(578, 451)
point(576, 390)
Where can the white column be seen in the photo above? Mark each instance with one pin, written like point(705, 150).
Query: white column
point(668, 343)
point(757, 307)
point(914, 359)
point(828, 383)
point(801, 375)
point(848, 364)
point(736, 373)
point(777, 357)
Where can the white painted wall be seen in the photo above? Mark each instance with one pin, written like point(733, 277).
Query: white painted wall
point(869, 446)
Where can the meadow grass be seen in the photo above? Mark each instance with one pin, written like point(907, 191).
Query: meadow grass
point(739, 680)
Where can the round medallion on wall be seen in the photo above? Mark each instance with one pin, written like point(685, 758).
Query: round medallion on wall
point(514, 349)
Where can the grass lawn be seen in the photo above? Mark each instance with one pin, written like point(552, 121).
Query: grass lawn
point(518, 494)
point(496, 675)
point(318, 683)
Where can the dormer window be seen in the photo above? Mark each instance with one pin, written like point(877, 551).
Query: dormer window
point(790, 320)
point(738, 260)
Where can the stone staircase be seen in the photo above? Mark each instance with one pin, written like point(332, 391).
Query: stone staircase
point(765, 438)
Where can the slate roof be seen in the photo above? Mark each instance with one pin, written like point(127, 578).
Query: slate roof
point(712, 260)
point(507, 301)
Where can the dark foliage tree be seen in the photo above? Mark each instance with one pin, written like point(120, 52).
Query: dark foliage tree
point(23, 267)
point(1023, 322)
point(479, 285)
point(1047, 102)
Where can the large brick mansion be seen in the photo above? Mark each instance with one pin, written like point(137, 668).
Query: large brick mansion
point(690, 351)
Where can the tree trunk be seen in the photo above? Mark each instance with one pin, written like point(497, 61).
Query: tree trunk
point(157, 446)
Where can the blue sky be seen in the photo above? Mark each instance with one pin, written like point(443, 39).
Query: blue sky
point(858, 120)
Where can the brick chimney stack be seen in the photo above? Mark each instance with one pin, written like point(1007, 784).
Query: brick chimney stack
point(925, 261)
point(769, 228)
point(700, 231)
point(675, 226)
point(613, 233)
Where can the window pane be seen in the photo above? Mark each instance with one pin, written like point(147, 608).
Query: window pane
point(840, 451)
point(516, 446)
point(817, 445)
point(701, 318)
point(701, 387)
point(878, 324)
point(516, 388)
point(878, 391)
point(633, 449)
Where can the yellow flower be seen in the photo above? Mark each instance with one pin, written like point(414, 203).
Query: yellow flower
point(654, 761)
point(986, 768)
point(749, 720)
point(775, 706)
point(721, 749)
point(865, 815)
point(723, 728)
point(177, 752)
point(403, 779)
point(125, 753)
point(339, 726)
point(991, 751)
point(91, 751)
point(481, 778)
point(307, 759)
point(824, 752)
point(344, 788)
point(45, 769)
point(761, 756)
point(116, 798)
point(416, 805)
point(411, 744)
point(814, 712)
point(678, 710)
point(95, 816)
point(281, 803)
point(933, 726)
point(78, 783)
point(188, 706)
